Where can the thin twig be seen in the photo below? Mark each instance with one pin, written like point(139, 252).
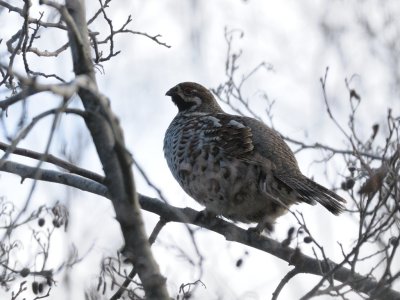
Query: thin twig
point(283, 282)
point(159, 226)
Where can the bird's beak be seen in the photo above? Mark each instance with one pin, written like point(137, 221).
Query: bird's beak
point(171, 91)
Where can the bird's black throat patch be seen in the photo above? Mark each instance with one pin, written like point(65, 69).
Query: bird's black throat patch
point(180, 103)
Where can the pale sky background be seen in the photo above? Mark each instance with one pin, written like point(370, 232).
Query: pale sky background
point(290, 35)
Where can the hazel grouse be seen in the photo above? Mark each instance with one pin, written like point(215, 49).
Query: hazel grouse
point(235, 166)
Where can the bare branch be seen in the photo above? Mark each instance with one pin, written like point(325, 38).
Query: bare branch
point(31, 87)
point(159, 226)
point(155, 38)
point(54, 176)
point(283, 282)
point(108, 138)
point(53, 160)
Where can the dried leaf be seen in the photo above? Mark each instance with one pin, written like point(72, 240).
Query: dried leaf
point(348, 184)
point(375, 129)
point(354, 94)
point(375, 181)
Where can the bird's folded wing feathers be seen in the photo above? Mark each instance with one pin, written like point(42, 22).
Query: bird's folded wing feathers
point(310, 191)
point(252, 141)
point(231, 136)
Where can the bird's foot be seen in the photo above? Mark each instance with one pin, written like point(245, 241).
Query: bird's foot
point(204, 216)
point(260, 228)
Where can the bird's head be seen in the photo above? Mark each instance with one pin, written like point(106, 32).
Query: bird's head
point(193, 97)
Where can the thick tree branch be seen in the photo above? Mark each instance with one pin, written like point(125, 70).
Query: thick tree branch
point(303, 263)
point(160, 224)
point(71, 180)
point(53, 160)
point(109, 142)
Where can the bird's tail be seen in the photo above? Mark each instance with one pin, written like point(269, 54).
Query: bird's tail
point(311, 192)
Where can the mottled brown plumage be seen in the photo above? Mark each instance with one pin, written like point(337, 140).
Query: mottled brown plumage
point(235, 166)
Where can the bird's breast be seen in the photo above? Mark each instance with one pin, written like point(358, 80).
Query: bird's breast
point(198, 162)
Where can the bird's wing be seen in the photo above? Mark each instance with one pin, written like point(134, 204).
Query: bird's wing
point(270, 145)
point(252, 141)
point(229, 134)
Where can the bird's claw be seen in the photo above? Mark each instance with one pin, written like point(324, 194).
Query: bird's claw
point(204, 215)
point(259, 229)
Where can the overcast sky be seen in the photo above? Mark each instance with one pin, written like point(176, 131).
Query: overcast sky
point(299, 39)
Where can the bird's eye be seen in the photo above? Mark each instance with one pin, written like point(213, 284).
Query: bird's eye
point(189, 92)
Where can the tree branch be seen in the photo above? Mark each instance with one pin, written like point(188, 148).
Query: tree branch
point(32, 87)
point(109, 142)
point(53, 160)
point(157, 229)
point(284, 281)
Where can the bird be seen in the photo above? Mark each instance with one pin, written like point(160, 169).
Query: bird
point(235, 166)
